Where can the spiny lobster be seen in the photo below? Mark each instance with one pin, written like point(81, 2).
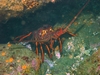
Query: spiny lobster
point(47, 35)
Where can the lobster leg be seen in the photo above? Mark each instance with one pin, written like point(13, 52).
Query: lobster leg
point(36, 43)
point(48, 51)
point(60, 44)
point(51, 45)
point(71, 33)
point(42, 53)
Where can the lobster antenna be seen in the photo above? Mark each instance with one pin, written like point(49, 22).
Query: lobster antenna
point(76, 16)
point(31, 41)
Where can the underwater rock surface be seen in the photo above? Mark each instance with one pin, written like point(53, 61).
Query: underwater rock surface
point(17, 8)
point(18, 60)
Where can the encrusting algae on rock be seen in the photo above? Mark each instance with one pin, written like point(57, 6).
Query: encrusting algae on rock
point(10, 60)
point(36, 62)
point(90, 66)
point(18, 60)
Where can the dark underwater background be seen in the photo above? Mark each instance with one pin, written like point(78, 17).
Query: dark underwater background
point(51, 14)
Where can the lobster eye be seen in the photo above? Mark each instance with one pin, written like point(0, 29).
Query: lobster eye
point(39, 33)
point(50, 29)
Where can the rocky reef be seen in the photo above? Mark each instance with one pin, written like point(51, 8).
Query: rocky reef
point(16, 8)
